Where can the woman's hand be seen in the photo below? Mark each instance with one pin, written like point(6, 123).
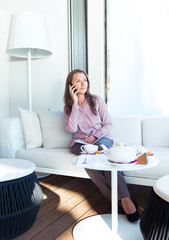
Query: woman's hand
point(73, 93)
point(90, 139)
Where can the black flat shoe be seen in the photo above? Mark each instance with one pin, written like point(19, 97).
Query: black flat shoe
point(133, 217)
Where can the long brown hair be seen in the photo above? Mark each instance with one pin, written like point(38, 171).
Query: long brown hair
point(67, 98)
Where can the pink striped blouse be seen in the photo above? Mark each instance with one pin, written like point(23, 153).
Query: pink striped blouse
point(82, 120)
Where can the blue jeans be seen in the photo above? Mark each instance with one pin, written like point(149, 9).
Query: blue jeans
point(106, 141)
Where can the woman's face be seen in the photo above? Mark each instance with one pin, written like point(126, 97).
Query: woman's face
point(80, 82)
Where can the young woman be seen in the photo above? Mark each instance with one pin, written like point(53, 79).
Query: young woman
point(84, 113)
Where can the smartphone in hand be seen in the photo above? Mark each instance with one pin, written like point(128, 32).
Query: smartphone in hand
point(75, 90)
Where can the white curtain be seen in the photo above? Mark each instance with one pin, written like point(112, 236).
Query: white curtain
point(139, 57)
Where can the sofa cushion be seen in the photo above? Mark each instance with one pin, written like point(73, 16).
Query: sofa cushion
point(57, 160)
point(54, 134)
point(31, 128)
point(162, 153)
point(156, 131)
point(127, 130)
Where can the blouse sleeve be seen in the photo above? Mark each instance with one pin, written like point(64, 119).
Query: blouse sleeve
point(71, 121)
point(105, 118)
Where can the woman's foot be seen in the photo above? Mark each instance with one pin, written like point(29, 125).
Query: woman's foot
point(130, 209)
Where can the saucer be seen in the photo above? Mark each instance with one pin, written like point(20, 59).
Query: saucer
point(121, 164)
point(98, 152)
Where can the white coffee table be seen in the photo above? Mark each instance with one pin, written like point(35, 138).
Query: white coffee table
point(108, 226)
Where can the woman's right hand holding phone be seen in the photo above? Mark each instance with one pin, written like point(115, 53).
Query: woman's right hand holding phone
point(73, 93)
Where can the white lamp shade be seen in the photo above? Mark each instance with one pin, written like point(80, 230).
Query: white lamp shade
point(28, 33)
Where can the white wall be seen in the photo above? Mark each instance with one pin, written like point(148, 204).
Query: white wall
point(48, 75)
point(139, 57)
point(4, 66)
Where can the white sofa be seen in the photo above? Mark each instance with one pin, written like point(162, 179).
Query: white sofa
point(49, 147)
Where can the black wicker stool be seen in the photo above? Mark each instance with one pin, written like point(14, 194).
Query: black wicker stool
point(20, 197)
point(154, 222)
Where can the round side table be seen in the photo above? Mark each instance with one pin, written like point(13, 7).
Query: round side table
point(108, 226)
point(154, 223)
point(20, 195)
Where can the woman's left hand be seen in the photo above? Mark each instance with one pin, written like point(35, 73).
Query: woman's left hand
point(90, 139)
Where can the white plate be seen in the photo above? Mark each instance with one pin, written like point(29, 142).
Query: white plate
point(122, 164)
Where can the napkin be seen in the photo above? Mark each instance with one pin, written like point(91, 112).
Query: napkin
point(97, 160)
point(142, 159)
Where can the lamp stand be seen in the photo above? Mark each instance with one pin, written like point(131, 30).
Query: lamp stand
point(29, 81)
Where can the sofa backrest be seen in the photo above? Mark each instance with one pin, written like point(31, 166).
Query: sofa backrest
point(155, 131)
point(127, 130)
point(11, 137)
point(130, 130)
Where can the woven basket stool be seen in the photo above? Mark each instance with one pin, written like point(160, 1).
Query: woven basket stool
point(20, 197)
point(154, 222)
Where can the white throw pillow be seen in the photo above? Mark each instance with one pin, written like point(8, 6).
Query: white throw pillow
point(31, 128)
point(54, 134)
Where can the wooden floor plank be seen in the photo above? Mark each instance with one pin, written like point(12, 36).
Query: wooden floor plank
point(57, 227)
point(55, 211)
point(101, 207)
point(57, 197)
point(143, 198)
point(140, 194)
point(54, 183)
point(66, 201)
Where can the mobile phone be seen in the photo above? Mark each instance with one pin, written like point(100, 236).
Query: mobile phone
point(75, 90)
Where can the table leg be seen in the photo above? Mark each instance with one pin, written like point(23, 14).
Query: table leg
point(108, 226)
point(114, 205)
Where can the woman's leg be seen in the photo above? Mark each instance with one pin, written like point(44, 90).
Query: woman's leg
point(103, 180)
point(99, 178)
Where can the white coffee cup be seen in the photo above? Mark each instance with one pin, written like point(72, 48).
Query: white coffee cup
point(89, 148)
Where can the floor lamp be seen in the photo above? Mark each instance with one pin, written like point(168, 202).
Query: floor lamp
point(28, 38)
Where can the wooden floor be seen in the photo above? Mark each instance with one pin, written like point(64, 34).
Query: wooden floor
point(66, 201)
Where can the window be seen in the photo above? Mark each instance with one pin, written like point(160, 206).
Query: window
point(78, 34)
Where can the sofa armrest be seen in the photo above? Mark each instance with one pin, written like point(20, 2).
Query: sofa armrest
point(11, 137)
